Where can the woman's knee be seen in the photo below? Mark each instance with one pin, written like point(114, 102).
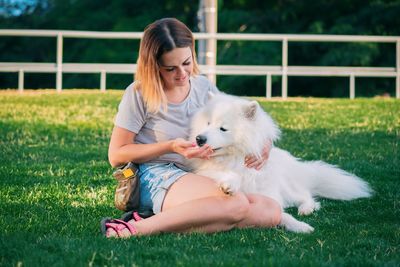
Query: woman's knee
point(237, 207)
point(268, 209)
point(276, 212)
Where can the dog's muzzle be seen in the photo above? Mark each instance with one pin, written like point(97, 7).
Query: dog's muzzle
point(201, 140)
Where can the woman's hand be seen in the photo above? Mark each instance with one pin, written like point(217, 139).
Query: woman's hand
point(252, 161)
point(191, 150)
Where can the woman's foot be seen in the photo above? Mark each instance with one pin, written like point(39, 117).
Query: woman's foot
point(114, 228)
point(132, 215)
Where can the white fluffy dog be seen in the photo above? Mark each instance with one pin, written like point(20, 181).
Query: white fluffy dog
point(234, 127)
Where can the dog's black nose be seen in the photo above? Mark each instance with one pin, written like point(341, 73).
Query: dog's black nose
point(201, 140)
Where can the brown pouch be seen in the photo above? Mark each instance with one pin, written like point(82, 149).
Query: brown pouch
point(127, 191)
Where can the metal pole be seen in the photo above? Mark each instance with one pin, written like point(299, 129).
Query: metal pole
point(284, 67)
point(59, 62)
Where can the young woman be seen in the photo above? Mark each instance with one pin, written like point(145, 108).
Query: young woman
point(151, 128)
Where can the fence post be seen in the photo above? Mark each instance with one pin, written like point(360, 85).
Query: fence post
point(268, 81)
point(103, 81)
point(284, 67)
point(59, 62)
point(352, 86)
point(20, 80)
point(208, 23)
point(398, 68)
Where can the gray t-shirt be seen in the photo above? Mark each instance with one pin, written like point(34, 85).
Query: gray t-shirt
point(163, 126)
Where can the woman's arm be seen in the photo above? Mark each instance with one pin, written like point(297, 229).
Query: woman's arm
point(122, 148)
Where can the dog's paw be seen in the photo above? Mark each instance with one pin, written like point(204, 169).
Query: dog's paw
point(298, 227)
point(291, 224)
point(230, 185)
point(308, 208)
point(305, 228)
point(226, 188)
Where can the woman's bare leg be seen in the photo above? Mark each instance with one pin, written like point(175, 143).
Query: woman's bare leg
point(195, 203)
point(263, 212)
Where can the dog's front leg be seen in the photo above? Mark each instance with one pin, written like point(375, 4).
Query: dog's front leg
point(228, 181)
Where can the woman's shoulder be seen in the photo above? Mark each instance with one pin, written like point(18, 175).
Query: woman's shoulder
point(201, 81)
point(133, 96)
point(201, 84)
point(133, 91)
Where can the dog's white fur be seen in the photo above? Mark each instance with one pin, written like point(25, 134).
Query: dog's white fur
point(235, 127)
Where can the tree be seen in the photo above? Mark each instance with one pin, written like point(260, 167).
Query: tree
point(376, 17)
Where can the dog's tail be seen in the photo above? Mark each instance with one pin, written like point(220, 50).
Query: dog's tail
point(332, 182)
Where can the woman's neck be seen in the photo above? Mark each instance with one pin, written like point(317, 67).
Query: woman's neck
point(177, 94)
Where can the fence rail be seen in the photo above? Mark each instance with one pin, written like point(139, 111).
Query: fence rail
point(284, 70)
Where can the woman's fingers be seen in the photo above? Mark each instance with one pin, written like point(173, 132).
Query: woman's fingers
point(203, 152)
point(206, 154)
point(266, 150)
point(254, 162)
point(251, 161)
point(180, 146)
point(191, 150)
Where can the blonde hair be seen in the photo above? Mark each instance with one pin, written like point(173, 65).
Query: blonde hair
point(160, 37)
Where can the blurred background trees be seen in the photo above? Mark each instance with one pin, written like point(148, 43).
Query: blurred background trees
point(358, 17)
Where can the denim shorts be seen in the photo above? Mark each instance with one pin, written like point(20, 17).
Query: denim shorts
point(155, 180)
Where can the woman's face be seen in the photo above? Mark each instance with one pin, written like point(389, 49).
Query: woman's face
point(176, 66)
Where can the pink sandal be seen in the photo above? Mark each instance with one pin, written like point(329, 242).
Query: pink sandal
point(117, 226)
point(127, 216)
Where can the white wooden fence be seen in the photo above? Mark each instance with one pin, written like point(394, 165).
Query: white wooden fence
point(284, 70)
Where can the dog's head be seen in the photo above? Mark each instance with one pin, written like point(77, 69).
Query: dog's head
point(229, 124)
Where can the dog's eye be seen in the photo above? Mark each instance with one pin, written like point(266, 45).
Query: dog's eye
point(223, 129)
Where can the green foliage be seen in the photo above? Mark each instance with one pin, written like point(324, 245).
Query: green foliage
point(56, 185)
point(313, 17)
point(358, 17)
point(87, 15)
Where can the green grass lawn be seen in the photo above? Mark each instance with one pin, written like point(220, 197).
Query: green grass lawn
point(56, 185)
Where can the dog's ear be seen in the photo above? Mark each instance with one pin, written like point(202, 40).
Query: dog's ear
point(210, 95)
point(250, 110)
